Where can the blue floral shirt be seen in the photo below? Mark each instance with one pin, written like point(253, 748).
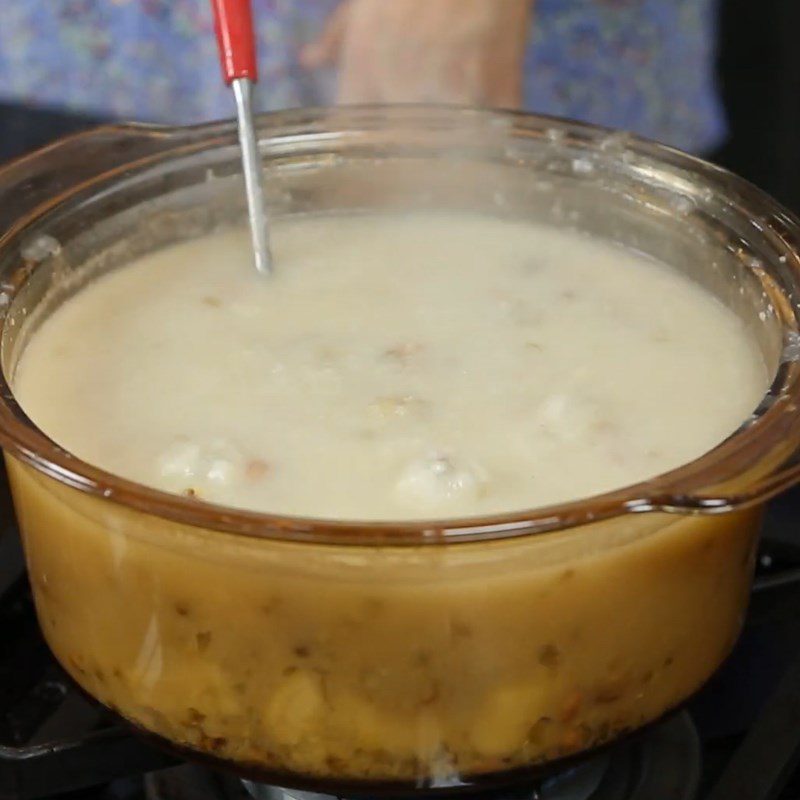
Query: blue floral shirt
point(643, 65)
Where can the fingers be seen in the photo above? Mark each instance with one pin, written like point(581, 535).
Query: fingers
point(365, 48)
point(325, 50)
point(358, 74)
point(441, 51)
point(503, 82)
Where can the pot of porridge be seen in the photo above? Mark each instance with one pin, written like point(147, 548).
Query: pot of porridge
point(471, 485)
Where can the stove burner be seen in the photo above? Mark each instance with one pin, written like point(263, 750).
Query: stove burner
point(662, 763)
point(581, 782)
point(665, 762)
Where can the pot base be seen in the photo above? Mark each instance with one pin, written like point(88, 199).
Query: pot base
point(663, 763)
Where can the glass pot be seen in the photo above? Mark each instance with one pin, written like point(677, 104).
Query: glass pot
point(352, 657)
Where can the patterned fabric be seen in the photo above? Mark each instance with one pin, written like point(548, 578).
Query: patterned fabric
point(643, 65)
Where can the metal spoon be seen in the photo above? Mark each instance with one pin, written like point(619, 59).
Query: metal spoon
point(233, 25)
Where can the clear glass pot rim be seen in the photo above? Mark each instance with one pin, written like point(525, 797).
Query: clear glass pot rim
point(757, 462)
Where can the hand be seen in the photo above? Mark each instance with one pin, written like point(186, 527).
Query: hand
point(438, 51)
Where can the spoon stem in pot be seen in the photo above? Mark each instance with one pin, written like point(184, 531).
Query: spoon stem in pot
point(233, 25)
point(253, 175)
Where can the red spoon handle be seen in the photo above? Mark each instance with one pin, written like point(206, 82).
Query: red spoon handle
point(233, 25)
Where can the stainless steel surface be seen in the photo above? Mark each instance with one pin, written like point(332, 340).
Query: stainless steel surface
point(253, 175)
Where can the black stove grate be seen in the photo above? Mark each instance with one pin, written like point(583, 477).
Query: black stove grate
point(52, 741)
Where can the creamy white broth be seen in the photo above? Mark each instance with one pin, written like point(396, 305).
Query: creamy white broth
point(394, 367)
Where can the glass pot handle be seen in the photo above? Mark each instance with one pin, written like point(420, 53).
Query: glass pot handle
point(756, 493)
point(766, 461)
point(38, 181)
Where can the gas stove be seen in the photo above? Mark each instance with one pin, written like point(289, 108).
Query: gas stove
point(739, 739)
